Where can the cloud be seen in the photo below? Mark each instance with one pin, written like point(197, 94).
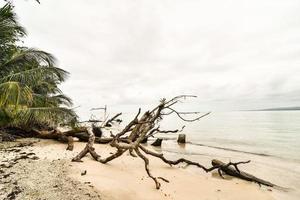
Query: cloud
point(237, 54)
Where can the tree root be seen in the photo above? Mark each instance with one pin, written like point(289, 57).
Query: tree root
point(88, 148)
point(146, 160)
point(148, 125)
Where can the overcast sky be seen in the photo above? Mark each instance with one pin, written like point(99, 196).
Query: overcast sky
point(232, 54)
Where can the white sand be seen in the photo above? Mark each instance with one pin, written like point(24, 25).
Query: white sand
point(39, 179)
point(126, 179)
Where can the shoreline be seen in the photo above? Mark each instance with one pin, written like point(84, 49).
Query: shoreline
point(126, 178)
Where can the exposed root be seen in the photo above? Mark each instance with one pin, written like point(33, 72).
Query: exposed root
point(146, 160)
point(172, 162)
point(147, 125)
point(88, 148)
point(112, 157)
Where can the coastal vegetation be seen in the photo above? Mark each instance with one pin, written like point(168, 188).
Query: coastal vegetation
point(29, 81)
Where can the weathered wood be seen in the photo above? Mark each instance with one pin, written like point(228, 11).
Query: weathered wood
point(181, 138)
point(70, 143)
point(53, 134)
point(97, 131)
point(5, 137)
point(145, 140)
point(88, 148)
point(147, 125)
point(141, 128)
point(157, 142)
point(111, 120)
point(84, 137)
point(233, 170)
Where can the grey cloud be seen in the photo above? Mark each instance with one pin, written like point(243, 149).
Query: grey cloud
point(238, 54)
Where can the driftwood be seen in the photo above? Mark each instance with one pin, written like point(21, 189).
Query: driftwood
point(56, 135)
point(88, 148)
point(145, 140)
point(146, 125)
point(97, 131)
point(70, 143)
point(181, 138)
point(137, 130)
point(109, 122)
point(53, 134)
point(232, 170)
point(157, 142)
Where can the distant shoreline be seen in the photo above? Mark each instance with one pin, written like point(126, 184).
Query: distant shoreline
point(277, 109)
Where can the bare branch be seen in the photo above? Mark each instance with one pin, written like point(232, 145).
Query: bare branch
point(114, 118)
point(146, 126)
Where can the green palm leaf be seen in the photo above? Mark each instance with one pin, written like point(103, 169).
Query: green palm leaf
point(10, 29)
point(48, 116)
point(29, 92)
point(12, 94)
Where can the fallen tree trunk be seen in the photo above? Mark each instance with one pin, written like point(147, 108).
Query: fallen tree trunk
point(56, 135)
point(84, 137)
point(53, 134)
point(139, 129)
point(70, 143)
point(233, 170)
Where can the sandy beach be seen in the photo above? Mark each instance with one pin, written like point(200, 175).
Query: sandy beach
point(54, 176)
point(33, 177)
point(149, 100)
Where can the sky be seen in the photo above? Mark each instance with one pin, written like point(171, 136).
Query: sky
point(233, 54)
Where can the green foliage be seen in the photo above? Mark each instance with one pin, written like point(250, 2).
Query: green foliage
point(29, 80)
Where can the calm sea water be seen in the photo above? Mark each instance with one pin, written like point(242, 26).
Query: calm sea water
point(275, 133)
point(270, 139)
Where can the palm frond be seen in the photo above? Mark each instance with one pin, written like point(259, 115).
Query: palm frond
point(12, 93)
point(29, 55)
point(29, 79)
point(10, 29)
point(55, 100)
point(31, 76)
point(62, 99)
point(4, 118)
point(48, 116)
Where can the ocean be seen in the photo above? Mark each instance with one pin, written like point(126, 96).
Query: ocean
point(270, 139)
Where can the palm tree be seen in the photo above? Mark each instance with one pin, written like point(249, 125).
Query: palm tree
point(29, 93)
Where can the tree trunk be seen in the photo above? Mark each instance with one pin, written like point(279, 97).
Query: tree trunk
point(157, 142)
point(181, 138)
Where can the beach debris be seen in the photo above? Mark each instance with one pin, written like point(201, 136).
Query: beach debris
point(144, 141)
point(78, 132)
point(109, 122)
point(157, 142)
point(70, 146)
point(97, 131)
point(83, 173)
point(5, 137)
point(141, 127)
point(147, 125)
point(233, 170)
point(13, 194)
point(181, 138)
